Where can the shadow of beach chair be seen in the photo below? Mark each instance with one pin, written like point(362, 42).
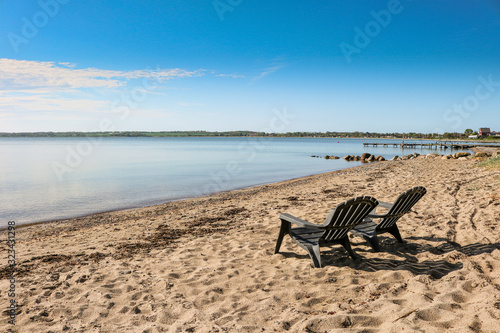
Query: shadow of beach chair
point(334, 230)
point(369, 229)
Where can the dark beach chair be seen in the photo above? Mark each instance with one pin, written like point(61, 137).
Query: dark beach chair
point(334, 230)
point(369, 229)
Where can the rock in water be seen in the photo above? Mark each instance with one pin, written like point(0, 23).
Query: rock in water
point(458, 155)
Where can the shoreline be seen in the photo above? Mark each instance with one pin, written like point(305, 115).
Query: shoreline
point(256, 187)
point(266, 135)
point(488, 150)
point(131, 208)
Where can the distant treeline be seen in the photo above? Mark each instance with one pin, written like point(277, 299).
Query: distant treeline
point(126, 134)
point(410, 135)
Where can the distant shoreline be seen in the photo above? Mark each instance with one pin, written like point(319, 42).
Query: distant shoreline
point(333, 135)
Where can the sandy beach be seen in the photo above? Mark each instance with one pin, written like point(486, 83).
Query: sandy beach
point(208, 264)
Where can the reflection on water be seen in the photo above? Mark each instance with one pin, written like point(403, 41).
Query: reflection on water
point(51, 178)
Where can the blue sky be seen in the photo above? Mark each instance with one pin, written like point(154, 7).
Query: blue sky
point(377, 66)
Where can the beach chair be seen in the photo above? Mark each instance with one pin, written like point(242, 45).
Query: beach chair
point(334, 230)
point(369, 229)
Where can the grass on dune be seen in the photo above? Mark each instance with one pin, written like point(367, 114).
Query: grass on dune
point(492, 163)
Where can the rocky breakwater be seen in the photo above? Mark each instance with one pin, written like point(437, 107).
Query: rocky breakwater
point(328, 157)
point(364, 158)
point(369, 158)
point(463, 156)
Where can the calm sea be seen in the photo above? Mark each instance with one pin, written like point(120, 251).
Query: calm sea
point(52, 178)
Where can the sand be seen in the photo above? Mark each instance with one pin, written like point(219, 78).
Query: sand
point(208, 264)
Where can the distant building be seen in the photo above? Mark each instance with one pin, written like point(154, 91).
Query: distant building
point(484, 132)
point(472, 136)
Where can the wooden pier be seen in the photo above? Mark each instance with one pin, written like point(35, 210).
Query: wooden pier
point(435, 145)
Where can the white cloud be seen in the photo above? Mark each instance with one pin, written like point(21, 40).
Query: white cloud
point(269, 70)
point(234, 76)
point(67, 64)
point(32, 91)
point(60, 90)
point(23, 74)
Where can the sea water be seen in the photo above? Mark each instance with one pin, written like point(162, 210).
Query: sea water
point(45, 179)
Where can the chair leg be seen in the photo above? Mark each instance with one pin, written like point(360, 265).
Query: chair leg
point(347, 245)
point(373, 241)
point(315, 255)
point(284, 229)
point(395, 232)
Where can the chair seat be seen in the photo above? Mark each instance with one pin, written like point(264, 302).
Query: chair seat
point(306, 235)
point(367, 228)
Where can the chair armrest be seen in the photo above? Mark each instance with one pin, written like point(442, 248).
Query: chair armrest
point(295, 220)
point(385, 205)
point(381, 204)
point(375, 216)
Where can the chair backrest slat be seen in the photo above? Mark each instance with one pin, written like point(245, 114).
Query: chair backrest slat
point(346, 216)
point(401, 206)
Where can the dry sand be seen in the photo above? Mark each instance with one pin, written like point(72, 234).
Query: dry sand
point(207, 264)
